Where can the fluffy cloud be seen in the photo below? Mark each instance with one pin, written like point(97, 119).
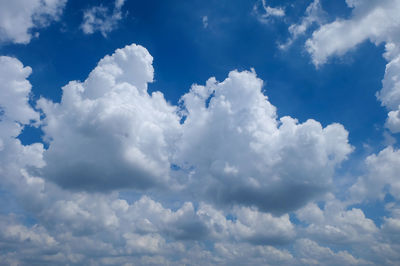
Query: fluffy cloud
point(18, 18)
point(226, 140)
point(390, 94)
point(340, 225)
point(14, 93)
point(15, 113)
point(310, 253)
point(102, 19)
point(373, 20)
point(334, 224)
point(108, 132)
point(381, 177)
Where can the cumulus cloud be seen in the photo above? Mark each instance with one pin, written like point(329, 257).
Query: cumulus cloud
point(19, 18)
point(381, 177)
point(15, 113)
point(340, 225)
point(226, 140)
point(310, 253)
point(102, 19)
point(335, 224)
point(108, 132)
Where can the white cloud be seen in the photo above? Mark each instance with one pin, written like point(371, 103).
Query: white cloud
point(14, 92)
point(18, 18)
point(374, 20)
point(15, 114)
point(108, 132)
point(381, 176)
point(377, 21)
point(102, 19)
point(243, 144)
point(334, 224)
point(390, 93)
point(267, 11)
point(310, 253)
point(314, 14)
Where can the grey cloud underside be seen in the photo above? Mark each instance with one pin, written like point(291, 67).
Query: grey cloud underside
point(278, 199)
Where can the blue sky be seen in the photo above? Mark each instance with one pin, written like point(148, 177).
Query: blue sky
point(210, 171)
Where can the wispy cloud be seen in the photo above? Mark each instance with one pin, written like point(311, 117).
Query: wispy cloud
point(102, 19)
point(265, 13)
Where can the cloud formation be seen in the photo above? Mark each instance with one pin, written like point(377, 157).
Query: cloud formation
point(268, 12)
point(377, 21)
point(19, 18)
point(108, 132)
point(314, 14)
point(226, 140)
point(239, 184)
point(102, 19)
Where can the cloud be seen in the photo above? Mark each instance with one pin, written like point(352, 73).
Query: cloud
point(267, 11)
point(108, 132)
point(102, 19)
point(374, 20)
point(377, 21)
point(311, 253)
point(381, 176)
point(226, 140)
point(314, 14)
point(205, 21)
point(14, 92)
point(19, 18)
point(15, 114)
point(334, 224)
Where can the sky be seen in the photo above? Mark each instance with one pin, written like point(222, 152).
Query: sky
point(199, 132)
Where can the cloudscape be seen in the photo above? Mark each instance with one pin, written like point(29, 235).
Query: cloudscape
point(260, 132)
